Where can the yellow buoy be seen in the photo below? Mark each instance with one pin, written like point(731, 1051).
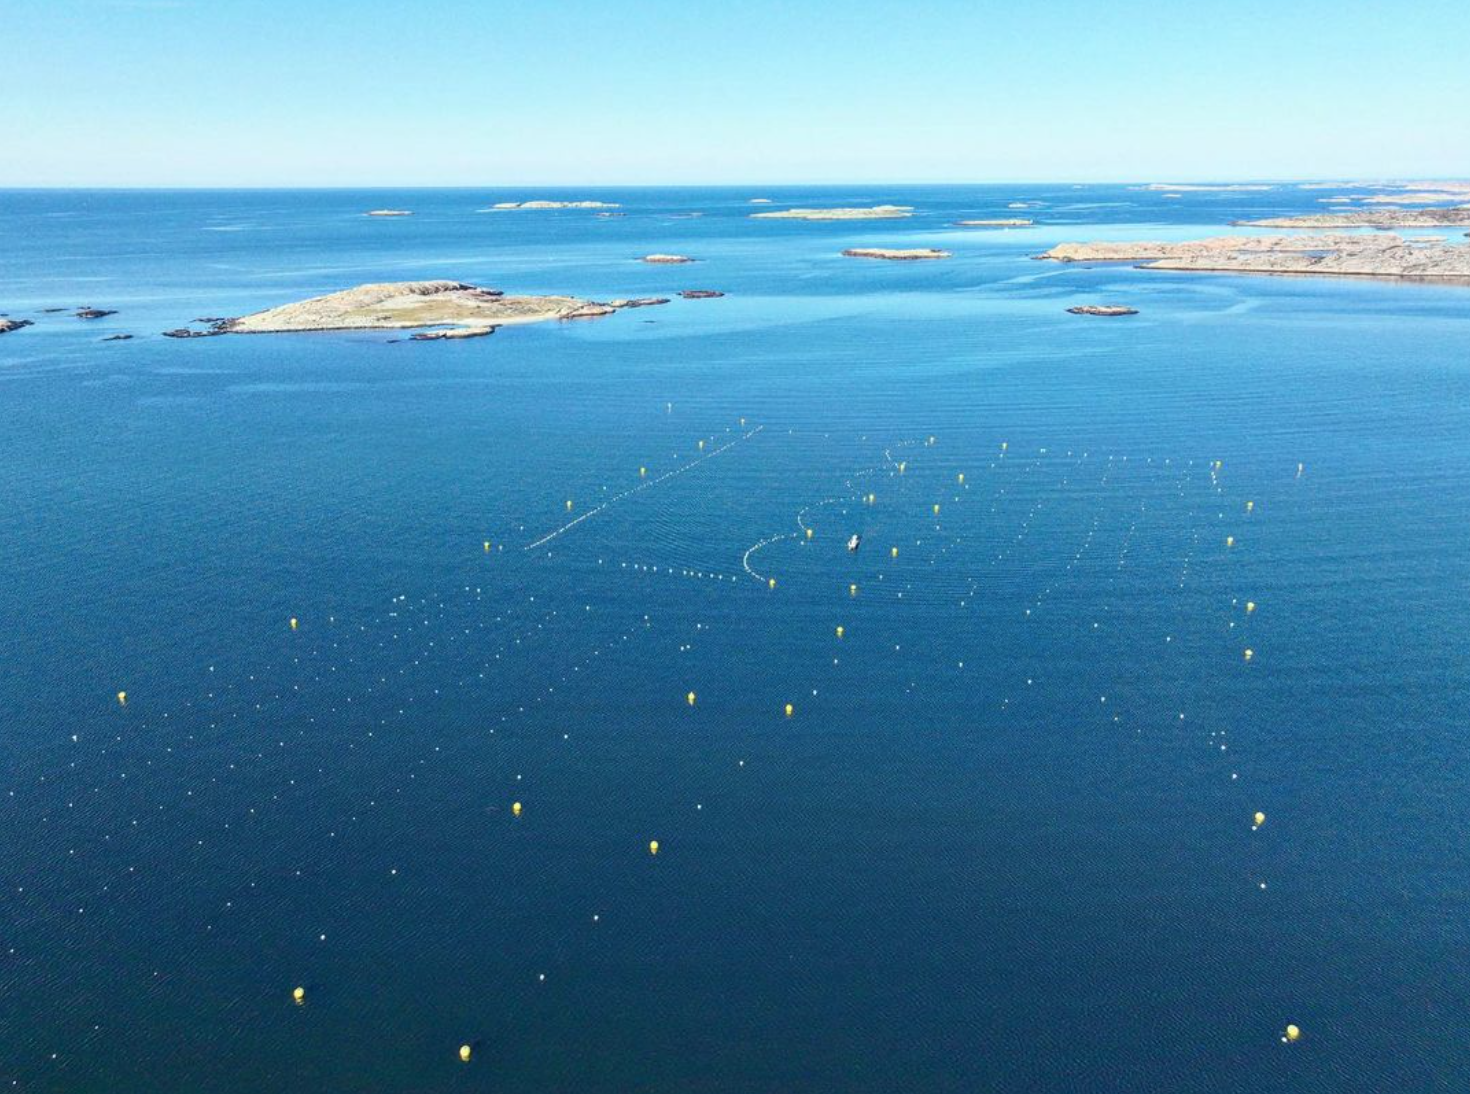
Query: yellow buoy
point(701, 446)
point(569, 505)
point(1250, 505)
point(936, 508)
point(1250, 606)
point(1299, 469)
point(690, 698)
point(1249, 654)
point(772, 583)
point(931, 440)
point(464, 1053)
point(643, 472)
point(893, 552)
point(960, 478)
point(515, 809)
point(839, 631)
point(122, 698)
point(1293, 1033)
point(653, 847)
point(742, 422)
point(487, 546)
point(293, 622)
point(790, 710)
point(852, 590)
point(1004, 445)
point(1260, 819)
point(872, 498)
point(808, 533)
point(902, 465)
point(1229, 541)
point(299, 995)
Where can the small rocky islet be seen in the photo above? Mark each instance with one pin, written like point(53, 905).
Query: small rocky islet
point(918, 254)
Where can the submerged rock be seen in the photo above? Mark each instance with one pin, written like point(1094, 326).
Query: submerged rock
point(666, 260)
point(1102, 309)
point(389, 213)
point(186, 332)
point(999, 222)
point(699, 294)
point(94, 313)
point(118, 338)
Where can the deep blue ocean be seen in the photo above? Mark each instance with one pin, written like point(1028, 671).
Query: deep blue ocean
point(1004, 841)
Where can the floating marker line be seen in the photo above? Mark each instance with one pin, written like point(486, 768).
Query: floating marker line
point(641, 486)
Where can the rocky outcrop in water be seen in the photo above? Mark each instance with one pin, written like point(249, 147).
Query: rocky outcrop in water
point(876, 212)
point(1457, 217)
point(403, 305)
point(118, 338)
point(1102, 309)
point(454, 333)
point(637, 302)
point(94, 313)
point(8, 325)
point(916, 255)
point(700, 294)
point(555, 205)
point(1342, 255)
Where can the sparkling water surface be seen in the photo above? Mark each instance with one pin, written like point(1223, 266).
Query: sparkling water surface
point(1004, 840)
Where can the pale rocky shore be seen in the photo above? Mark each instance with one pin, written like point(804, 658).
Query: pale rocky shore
point(1459, 216)
point(914, 255)
point(875, 212)
point(405, 305)
point(1343, 255)
point(555, 205)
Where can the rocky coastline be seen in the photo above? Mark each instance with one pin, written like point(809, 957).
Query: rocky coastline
point(1385, 256)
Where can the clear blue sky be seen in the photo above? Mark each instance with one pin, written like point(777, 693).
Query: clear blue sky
point(392, 92)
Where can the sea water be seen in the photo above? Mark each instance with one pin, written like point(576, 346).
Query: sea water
point(1004, 840)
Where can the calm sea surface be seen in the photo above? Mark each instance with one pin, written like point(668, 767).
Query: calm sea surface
point(1002, 842)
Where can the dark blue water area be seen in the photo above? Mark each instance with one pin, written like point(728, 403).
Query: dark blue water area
point(1003, 841)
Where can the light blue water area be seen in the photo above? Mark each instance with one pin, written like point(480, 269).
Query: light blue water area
point(1004, 841)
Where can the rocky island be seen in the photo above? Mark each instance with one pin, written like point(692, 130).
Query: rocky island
point(405, 305)
point(1457, 217)
point(8, 325)
point(1102, 309)
point(700, 294)
point(1342, 255)
point(555, 205)
point(875, 212)
point(917, 254)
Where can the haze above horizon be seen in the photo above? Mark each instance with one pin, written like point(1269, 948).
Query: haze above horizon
point(378, 93)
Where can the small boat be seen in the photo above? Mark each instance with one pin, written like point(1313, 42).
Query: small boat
point(855, 542)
